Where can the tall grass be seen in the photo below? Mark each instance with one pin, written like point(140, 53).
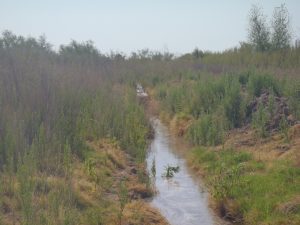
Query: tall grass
point(220, 103)
point(51, 103)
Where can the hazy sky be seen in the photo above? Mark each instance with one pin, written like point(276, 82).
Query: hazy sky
point(128, 25)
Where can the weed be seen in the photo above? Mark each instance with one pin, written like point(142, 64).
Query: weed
point(153, 168)
point(170, 170)
point(284, 129)
point(260, 120)
point(123, 199)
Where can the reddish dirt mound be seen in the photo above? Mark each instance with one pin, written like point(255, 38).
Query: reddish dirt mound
point(277, 110)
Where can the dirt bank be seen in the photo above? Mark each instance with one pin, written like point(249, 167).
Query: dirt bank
point(124, 171)
point(107, 187)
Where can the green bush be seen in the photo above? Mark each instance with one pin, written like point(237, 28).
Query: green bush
point(206, 96)
point(234, 105)
point(284, 129)
point(207, 130)
point(259, 83)
point(244, 78)
point(260, 120)
point(161, 93)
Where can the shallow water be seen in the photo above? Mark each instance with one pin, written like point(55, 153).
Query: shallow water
point(180, 198)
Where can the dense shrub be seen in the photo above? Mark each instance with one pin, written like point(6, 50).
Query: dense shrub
point(234, 105)
point(207, 130)
point(259, 83)
point(260, 120)
point(51, 104)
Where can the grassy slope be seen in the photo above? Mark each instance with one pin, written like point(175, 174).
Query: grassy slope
point(104, 189)
point(252, 189)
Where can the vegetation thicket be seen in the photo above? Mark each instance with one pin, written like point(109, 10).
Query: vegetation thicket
point(53, 107)
point(71, 127)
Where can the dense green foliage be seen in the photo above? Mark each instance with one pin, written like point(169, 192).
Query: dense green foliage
point(223, 102)
point(49, 98)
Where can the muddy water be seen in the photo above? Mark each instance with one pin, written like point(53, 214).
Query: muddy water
point(180, 198)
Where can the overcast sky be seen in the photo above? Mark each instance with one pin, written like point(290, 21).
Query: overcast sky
point(129, 25)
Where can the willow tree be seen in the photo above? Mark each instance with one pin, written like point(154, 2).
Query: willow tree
point(281, 31)
point(258, 32)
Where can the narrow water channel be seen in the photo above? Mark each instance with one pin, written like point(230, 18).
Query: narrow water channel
point(179, 198)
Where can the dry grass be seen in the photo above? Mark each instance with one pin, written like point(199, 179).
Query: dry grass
point(291, 206)
point(180, 124)
point(8, 208)
point(139, 212)
point(136, 210)
point(269, 149)
point(95, 189)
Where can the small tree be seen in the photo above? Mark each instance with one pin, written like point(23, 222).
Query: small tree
point(258, 32)
point(281, 31)
point(197, 53)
